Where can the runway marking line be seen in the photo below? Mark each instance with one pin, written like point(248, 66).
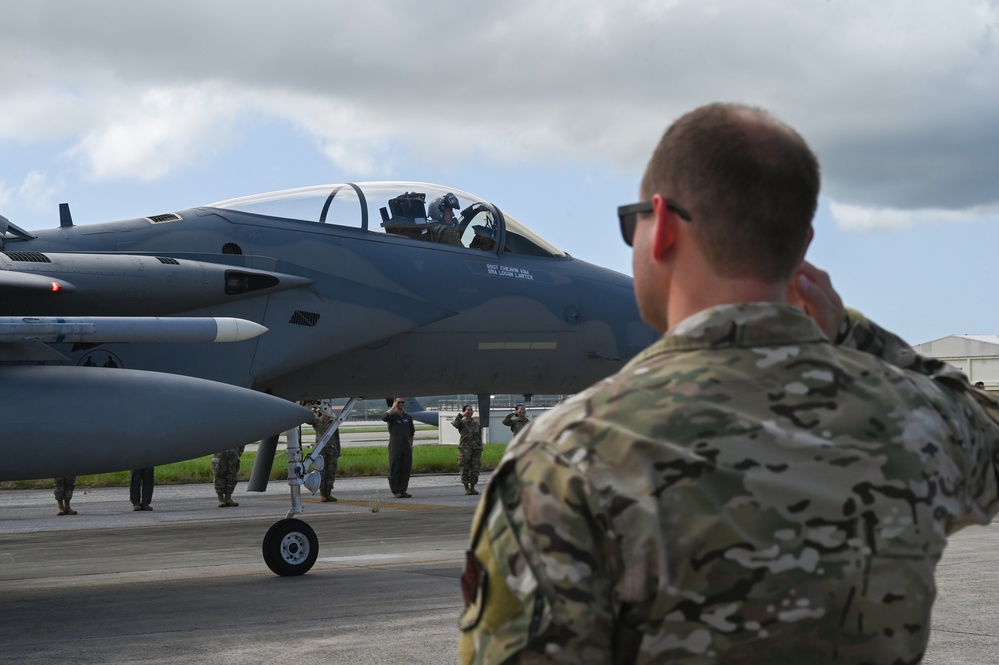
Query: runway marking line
point(359, 557)
point(383, 504)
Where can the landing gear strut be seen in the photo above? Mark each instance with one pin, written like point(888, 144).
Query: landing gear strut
point(291, 546)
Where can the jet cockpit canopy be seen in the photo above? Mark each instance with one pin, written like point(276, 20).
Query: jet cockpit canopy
point(399, 209)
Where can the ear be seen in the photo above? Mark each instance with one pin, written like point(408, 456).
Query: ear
point(665, 231)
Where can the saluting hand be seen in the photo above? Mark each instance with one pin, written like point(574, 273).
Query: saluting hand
point(812, 292)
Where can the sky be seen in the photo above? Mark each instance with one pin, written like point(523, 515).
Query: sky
point(549, 109)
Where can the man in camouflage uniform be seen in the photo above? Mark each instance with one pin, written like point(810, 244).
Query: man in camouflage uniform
point(63, 490)
point(757, 486)
point(225, 466)
point(469, 448)
point(330, 452)
point(517, 420)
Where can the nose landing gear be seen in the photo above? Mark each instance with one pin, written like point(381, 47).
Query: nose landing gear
point(291, 546)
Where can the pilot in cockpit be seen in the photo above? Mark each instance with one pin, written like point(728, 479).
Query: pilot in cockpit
point(442, 224)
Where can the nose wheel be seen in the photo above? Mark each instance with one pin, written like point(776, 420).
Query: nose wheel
point(290, 547)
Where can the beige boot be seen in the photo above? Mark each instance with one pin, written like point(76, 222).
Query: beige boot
point(62, 508)
point(229, 501)
point(222, 503)
point(68, 510)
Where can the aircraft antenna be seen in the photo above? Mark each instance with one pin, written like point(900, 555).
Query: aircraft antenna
point(65, 216)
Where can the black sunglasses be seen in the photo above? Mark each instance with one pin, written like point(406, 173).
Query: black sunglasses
point(628, 216)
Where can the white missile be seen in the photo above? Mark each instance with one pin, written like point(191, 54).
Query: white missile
point(97, 329)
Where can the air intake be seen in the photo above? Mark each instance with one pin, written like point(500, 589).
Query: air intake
point(28, 257)
point(300, 318)
point(169, 217)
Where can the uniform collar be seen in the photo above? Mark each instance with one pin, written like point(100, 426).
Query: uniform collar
point(738, 326)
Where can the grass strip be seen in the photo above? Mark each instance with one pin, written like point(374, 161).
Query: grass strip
point(354, 462)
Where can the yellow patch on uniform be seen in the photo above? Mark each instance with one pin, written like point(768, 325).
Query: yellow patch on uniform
point(487, 596)
point(498, 621)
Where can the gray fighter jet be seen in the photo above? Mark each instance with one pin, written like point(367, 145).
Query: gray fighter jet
point(366, 290)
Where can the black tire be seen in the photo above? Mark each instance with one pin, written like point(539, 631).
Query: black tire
point(290, 548)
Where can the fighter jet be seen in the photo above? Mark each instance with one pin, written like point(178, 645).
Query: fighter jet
point(366, 290)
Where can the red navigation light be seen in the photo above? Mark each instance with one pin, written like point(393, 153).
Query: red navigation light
point(56, 287)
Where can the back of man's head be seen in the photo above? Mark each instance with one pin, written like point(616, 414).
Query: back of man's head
point(750, 182)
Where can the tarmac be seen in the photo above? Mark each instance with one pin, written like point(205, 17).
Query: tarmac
point(186, 582)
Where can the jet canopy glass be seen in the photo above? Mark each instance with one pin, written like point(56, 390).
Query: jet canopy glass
point(411, 210)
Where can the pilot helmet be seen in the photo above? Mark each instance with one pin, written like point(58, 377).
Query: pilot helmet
point(436, 207)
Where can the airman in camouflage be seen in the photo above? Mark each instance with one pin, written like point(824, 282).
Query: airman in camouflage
point(225, 467)
point(330, 452)
point(469, 448)
point(746, 490)
point(63, 490)
point(517, 420)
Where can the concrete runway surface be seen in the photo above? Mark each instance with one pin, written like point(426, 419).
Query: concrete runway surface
point(186, 583)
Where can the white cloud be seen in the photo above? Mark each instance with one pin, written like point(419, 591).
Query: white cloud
point(353, 138)
point(33, 193)
point(851, 217)
point(898, 97)
point(45, 115)
point(162, 130)
point(36, 192)
point(859, 218)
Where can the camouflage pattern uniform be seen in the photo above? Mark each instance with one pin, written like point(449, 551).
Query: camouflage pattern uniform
point(330, 453)
point(443, 233)
point(469, 451)
point(743, 491)
point(225, 466)
point(514, 423)
point(63, 490)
